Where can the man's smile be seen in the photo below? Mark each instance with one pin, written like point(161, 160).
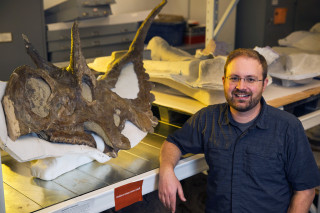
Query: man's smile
point(241, 95)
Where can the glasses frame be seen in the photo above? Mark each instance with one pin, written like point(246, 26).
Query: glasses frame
point(247, 80)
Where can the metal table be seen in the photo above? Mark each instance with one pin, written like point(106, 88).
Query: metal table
point(89, 188)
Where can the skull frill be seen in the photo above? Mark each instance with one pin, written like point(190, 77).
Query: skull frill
point(66, 104)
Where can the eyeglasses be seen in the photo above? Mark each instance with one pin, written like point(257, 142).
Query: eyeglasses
point(249, 80)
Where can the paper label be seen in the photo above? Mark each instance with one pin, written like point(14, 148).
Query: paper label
point(127, 194)
point(5, 37)
point(280, 15)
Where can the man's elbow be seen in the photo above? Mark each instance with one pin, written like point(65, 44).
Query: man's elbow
point(308, 193)
point(311, 193)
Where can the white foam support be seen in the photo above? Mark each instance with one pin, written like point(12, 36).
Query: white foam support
point(303, 40)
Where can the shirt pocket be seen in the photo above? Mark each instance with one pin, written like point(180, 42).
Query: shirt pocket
point(262, 162)
point(219, 163)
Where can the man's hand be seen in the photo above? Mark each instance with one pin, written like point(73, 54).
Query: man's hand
point(169, 186)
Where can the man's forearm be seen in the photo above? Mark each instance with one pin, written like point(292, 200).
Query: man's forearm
point(169, 155)
point(301, 201)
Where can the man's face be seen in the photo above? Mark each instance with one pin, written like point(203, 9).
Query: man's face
point(243, 95)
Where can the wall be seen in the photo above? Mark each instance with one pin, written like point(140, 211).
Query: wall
point(12, 52)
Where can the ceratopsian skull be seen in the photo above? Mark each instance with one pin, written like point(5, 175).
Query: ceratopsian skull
point(66, 104)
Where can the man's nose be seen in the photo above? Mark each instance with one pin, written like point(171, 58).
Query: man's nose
point(241, 83)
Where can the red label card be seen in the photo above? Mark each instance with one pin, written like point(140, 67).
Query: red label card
point(127, 194)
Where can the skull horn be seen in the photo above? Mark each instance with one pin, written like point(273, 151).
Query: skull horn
point(137, 45)
point(78, 65)
point(40, 62)
point(138, 41)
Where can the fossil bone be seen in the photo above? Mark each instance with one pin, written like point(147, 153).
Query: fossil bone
point(64, 105)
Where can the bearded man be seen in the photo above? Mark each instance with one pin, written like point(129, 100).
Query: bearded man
point(259, 157)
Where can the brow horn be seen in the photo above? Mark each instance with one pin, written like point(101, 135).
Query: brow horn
point(78, 65)
point(39, 61)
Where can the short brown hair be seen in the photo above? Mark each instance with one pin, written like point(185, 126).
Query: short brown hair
point(247, 53)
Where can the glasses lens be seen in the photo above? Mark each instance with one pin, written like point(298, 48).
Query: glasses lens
point(248, 80)
point(234, 79)
point(251, 80)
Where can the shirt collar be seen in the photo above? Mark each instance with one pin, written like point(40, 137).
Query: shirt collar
point(261, 121)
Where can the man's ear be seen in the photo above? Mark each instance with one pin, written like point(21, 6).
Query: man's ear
point(265, 83)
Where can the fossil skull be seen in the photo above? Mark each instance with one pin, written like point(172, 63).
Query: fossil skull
point(66, 104)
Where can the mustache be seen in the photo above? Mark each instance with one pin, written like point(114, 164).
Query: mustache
point(242, 92)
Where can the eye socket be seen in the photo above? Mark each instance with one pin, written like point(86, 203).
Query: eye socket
point(38, 92)
point(86, 91)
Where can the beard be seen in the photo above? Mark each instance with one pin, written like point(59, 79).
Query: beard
point(243, 105)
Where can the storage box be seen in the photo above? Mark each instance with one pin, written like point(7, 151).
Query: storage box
point(172, 32)
point(195, 35)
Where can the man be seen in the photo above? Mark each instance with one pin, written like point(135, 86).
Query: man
point(259, 157)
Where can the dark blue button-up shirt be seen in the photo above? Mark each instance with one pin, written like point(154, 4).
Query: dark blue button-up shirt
point(255, 170)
